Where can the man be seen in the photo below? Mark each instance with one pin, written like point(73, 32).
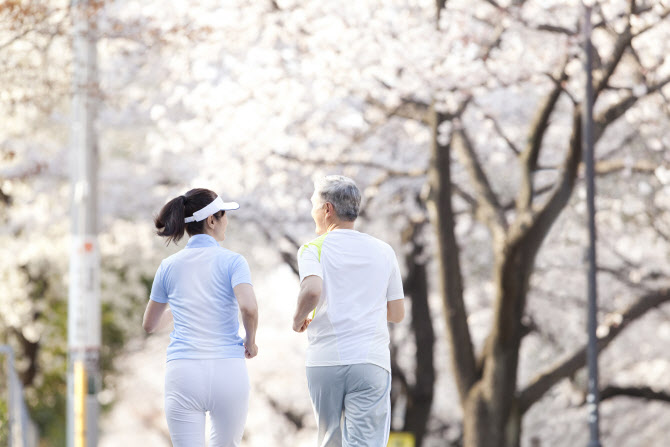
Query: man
point(350, 287)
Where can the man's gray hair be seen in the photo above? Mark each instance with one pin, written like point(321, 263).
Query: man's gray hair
point(342, 192)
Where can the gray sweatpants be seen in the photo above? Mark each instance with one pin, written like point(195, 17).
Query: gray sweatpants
point(352, 404)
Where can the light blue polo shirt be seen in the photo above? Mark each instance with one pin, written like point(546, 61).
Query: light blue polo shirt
point(198, 283)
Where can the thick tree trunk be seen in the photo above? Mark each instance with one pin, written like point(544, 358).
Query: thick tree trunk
point(419, 395)
point(492, 405)
point(486, 426)
point(492, 416)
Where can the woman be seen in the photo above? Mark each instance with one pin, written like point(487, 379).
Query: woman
point(205, 285)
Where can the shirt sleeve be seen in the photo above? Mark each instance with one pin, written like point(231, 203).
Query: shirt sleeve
point(308, 262)
point(158, 292)
point(239, 272)
point(394, 290)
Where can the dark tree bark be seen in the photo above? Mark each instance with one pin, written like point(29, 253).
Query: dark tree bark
point(450, 280)
point(29, 350)
point(643, 392)
point(420, 394)
point(492, 405)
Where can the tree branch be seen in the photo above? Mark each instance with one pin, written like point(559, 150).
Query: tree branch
point(440, 5)
point(495, 43)
point(536, 226)
point(614, 112)
point(556, 29)
point(539, 128)
point(496, 5)
point(393, 172)
point(409, 108)
point(501, 133)
point(15, 38)
point(662, 17)
point(288, 252)
point(624, 144)
point(617, 322)
point(656, 226)
point(607, 167)
point(489, 210)
point(623, 41)
point(643, 392)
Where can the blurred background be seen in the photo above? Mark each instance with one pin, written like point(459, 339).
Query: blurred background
point(460, 120)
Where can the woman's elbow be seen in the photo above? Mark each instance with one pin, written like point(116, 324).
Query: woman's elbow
point(148, 324)
point(249, 309)
point(148, 327)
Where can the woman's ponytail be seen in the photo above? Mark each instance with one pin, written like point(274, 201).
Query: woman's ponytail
point(170, 220)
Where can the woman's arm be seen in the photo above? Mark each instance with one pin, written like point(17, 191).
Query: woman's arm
point(246, 299)
point(156, 316)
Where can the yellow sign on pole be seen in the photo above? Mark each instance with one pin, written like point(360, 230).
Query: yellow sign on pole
point(401, 439)
point(79, 404)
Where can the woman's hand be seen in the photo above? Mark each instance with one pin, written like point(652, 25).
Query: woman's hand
point(250, 350)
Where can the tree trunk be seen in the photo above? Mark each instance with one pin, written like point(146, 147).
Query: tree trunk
point(486, 426)
point(492, 411)
point(450, 282)
point(419, 395)
point(492, 417)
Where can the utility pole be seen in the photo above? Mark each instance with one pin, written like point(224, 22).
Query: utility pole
point(84, 294)
point(593, 396)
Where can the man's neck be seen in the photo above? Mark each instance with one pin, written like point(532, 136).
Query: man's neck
point(341, 225)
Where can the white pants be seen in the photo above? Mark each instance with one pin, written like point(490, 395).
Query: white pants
point(194, 387)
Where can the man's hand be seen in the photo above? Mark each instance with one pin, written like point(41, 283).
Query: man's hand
point(301, 326)
point(250, 350)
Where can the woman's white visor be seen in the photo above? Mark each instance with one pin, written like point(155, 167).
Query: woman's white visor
point(217, 205)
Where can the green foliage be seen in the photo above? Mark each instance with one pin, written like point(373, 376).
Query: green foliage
point(4, 415)
point(46, 395)
point(47, 400)
point(49, 411)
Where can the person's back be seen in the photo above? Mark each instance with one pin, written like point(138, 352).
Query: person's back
point(350, 322)
point(350, 285)
point(198, 284)
point(202, 288)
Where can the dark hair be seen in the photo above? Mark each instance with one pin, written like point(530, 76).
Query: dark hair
point(170, 220)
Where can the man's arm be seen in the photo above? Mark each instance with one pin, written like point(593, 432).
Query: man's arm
point(395, 310)
point(308, 298)
point(246, 299)
point(395, 306)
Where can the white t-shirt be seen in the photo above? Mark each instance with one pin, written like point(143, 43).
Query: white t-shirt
point(360, 275)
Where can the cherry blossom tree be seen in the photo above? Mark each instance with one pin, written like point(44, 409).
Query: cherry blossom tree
point(467, 109)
